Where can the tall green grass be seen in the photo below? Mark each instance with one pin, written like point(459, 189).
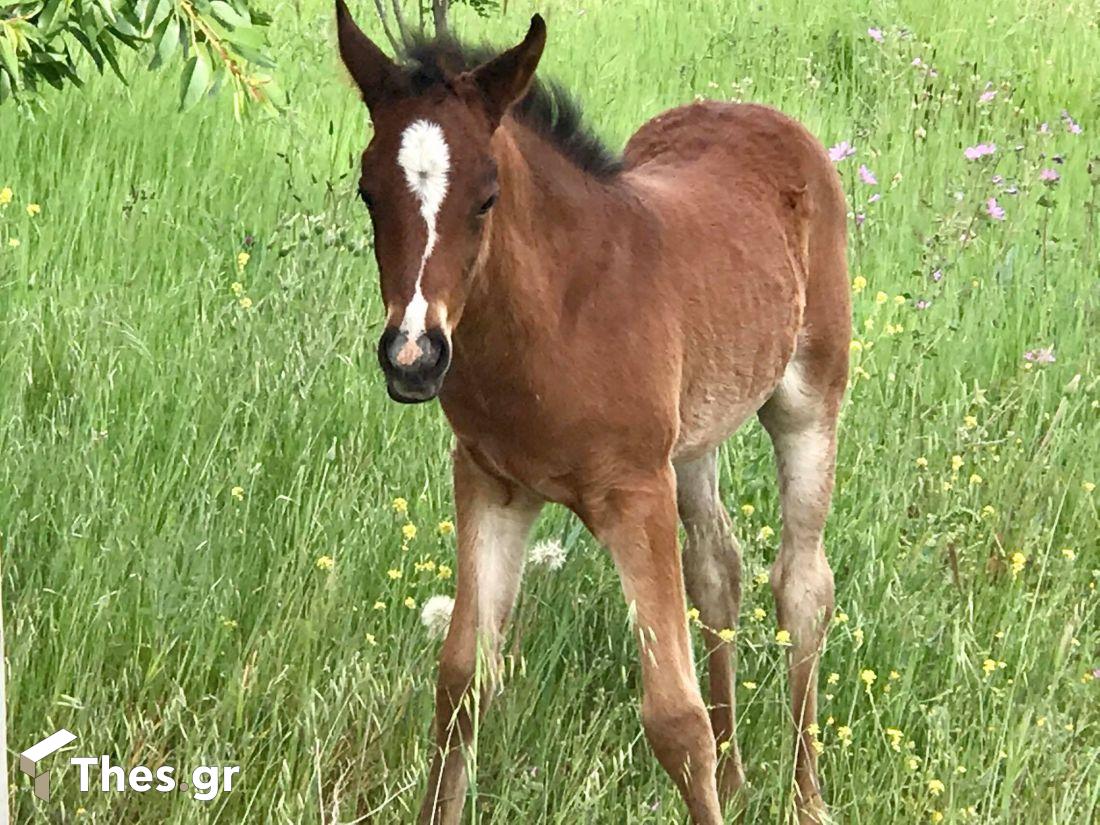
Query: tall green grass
point(160, 617)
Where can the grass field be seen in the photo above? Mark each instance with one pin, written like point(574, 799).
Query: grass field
point(197, 490)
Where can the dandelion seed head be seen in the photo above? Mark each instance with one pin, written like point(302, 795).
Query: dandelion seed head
point(435, 615)
point(549, 553)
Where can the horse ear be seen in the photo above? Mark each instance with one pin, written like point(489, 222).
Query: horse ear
point(505, 78)
point(375, 74)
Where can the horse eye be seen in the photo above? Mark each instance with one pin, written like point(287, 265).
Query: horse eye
point(485, 207)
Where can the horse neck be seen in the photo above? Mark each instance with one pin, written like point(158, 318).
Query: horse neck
point(548, 214)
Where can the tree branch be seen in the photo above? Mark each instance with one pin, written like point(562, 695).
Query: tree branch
point(439, 16)
point(381, 8)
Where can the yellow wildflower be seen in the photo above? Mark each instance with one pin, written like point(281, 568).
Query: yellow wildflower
point(761, 578)
point(371, 640)
point(394, 573)
point(1069, 553)
point(747, 509)
point(989, 665)
point(1017, 563)
point(855, 345)
point(894, 675)
point(325, 562)
point(868, 677)
point(970, 422)
point(725, 746)
point(693, 614)
point(935, 787)
point(956, 463)
point(988, 511)
point(881, 297)
point(409, 602)
point(1088, 486)
point(899, 299)
point(409, 531)
point(975, 479)
point(859, 283)
point(766, 533)
point(783, 638)
point(229, 623)
point(379, 606)
point(446, 527)
point(242, 261)
point(444, 572)
point(749, 685)
point(922, 462)
point(237, 288)
point(758, 614)
point(14, 243)
point(858, 635)
point(400, 505)
point(936, 816)
point(833, 678)
point(33, 209)
point(245, 302)
point(844, 734)
point(912, 763)
point(237, 493)
point(727, 634)
point(5, 195)
point(841, 617)
point(895, 738)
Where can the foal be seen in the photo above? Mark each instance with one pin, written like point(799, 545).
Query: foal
point(594, 330)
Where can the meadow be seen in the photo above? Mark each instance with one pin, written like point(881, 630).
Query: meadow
point(218, 534)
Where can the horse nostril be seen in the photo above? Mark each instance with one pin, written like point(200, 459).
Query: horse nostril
point(410, 355)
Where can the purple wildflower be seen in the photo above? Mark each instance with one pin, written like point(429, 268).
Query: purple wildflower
point(937, 276)
point(979, 151)
point(917, 62)
point(867, 176)
point(994, 210)
point(860, 218)
point(987, 96)
point(1044, 128)
point(1049, 176)
point(1043, 355)
point(923, 303)
point(874, 198)
point(875, 34)
point(841, 151)
point(1072, 125)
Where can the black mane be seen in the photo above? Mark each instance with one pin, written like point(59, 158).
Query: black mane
point(547, 108)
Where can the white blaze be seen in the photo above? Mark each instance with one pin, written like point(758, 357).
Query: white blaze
point(425, 160)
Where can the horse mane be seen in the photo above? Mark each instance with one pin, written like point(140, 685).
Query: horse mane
point(548, 109)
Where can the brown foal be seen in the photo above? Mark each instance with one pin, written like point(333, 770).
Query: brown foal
point(594, 329)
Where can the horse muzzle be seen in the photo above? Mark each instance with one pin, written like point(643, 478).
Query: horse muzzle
point(414, 368)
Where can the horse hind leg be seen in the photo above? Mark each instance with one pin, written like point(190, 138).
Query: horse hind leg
point(801, 420)
point(712, 575)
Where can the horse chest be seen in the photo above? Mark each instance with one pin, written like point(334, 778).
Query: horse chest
point(521, 440)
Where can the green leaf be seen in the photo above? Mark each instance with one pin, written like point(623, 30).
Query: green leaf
point(107, 45)
point(52, 16)
point(229, 15)
point(107, 9)
point(9, 58)
point(195, 80)
point(167, 40)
